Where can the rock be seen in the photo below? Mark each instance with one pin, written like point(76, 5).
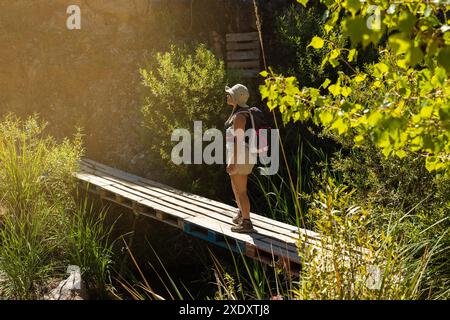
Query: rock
point(73, 288)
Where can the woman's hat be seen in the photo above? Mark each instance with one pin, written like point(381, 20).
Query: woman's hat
point(240, 94)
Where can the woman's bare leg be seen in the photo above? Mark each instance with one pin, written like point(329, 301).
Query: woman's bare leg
point(235, 193)
point(240, 185)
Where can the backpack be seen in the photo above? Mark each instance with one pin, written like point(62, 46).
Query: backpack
point(259, 122)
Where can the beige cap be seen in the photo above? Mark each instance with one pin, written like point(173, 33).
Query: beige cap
point(240, 94)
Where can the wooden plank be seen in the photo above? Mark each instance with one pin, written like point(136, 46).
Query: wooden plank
point(92, 179)
point(192, 207)
point(248, 36)
point(224, 229)
point(143, 201)
point(269, 227)
point(140, 209)
point(170, 219)
point(291, 264)
point(204, 232)
point(266, 250)
point(247, 73)
point(263, 228)
point(208, 203)
point(242, 45)
point(176, 222)
point(264, 242)
point(167, 189)
point(259, 241)
point(243, 64)
point(243, 55)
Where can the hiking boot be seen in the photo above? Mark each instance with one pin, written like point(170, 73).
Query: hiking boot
point(238, 218)
point(245, 226)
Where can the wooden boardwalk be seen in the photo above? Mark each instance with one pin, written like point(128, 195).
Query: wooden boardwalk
point(274, 242)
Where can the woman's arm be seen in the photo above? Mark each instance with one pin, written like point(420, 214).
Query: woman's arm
point(239, 132)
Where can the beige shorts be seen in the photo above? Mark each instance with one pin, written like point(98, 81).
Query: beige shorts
point(244, 168)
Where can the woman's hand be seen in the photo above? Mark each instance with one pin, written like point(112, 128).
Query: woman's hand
point(231, 168)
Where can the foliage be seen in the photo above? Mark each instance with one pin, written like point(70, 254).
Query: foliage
point(34, 164)
point(183, 85)
point(295, 26)
point(279, 197)
point(357, 258)
point(35, 185)
point(42, 229)
point(89, 245)
point(26, 253)
point(394, 184)
point(401, 103)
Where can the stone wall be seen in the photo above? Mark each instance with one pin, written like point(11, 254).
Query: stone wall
point(89, 77)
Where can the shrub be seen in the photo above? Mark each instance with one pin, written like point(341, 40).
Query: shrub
point(42, 228)
point(35, 185)
point(183, 85)
point(89, 246)
point(363, 259)
point(294, 29)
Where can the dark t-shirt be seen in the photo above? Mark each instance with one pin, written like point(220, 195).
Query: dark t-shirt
point(248, 122)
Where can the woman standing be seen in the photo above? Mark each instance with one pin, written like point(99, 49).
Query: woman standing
point(239, 119)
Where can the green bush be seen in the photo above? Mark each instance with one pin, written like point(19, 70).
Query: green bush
point(353, 243)
point(294, 29)
point(42, 229)
point(89, 246)
point(184, 85)
point(408, 206)
point(35, 191)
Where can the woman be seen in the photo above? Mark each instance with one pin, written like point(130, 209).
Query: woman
point(239, 119)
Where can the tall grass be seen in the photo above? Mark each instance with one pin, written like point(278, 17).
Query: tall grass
point(89, 245)
point(243, 279)
point(142, 289)
point(26, 254)
point(42, 229)
point(250, 279)
point(279, 195)
point(365, 253)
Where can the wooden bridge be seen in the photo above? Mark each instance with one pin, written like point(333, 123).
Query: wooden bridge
point(273, 242)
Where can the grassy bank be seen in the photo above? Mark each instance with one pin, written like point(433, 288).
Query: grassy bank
point(42, 228)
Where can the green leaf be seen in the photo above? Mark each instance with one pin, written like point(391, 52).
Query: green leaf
point(345, 91)
point(444, 58)
point(340, 125)
point(374, 118)
point(325, 117)
point(303, 2)
point(426, 112)
point(271, 105)
point(382, 139)
point(328, 28)
point(380, 69)
point(264, 74)
point(351, 55)
point(264, 91)
point(335, 89)
point(360, 77)
point(400, 153)
point(406, 21)
point(326, 83)
point(431, 163)
point(352, 5)
point(400, 43)
point(359, 139)
point(317, 42)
